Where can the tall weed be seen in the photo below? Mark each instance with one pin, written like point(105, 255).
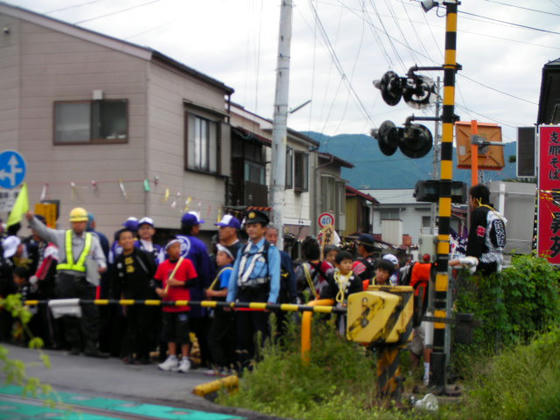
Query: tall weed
point(521, 383)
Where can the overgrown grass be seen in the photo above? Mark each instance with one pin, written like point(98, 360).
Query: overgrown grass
point(521, 383)
point(338, 383)
point(511, 371)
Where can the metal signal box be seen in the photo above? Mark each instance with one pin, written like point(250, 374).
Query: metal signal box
point(380, 315)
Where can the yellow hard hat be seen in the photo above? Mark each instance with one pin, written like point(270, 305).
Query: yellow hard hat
point(78, 214)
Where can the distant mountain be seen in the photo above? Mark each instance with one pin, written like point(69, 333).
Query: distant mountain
point(373, 170)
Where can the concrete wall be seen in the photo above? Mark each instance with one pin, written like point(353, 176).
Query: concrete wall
point(333, 171)
point(167, 91)
point(57, 66)
point(9, 82)
point(411, 219)
point(518, 207)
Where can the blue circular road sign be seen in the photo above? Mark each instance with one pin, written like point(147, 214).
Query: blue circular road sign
point(12, 169)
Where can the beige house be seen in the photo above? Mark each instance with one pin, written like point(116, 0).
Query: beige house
point(251, 139)
point(331, 192)
point(114, 127)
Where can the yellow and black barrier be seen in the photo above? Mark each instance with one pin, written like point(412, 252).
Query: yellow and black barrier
point(231, 383)
point(260, 306)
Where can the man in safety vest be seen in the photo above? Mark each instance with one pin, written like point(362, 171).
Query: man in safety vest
point(81, 259)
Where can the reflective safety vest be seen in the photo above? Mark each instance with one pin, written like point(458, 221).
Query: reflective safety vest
point(80, 264)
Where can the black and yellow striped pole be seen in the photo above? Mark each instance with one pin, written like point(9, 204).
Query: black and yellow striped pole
point(257, 306)
point(438, 360)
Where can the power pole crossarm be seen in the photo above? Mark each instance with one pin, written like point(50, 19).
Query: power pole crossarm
point(280, 121)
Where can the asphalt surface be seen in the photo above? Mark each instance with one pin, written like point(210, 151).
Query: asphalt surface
point(114, 379)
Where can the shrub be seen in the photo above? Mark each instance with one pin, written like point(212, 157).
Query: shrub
point(521, 383)
point(338, 383)
point(514, 305)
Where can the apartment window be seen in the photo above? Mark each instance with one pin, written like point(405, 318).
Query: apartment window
point(341, 197)
point(301, 171)
point(390, 214)
point(426, 221)
point(255, 173)
point(84, 122)
point(328, 193)
point(202, 144)
point(289, 168)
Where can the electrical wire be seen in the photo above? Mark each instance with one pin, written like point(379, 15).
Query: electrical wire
point(71, 7)
point(413, 26)
point(352, 76)
point(165, 25)
point(327, 91)
point(116, 12)
point(258, 57)
point(519, 25)
point(375, 33)
point(470, 78)
point(496, 90)
point(523, 8)
point(389, 37)
point(405, 39)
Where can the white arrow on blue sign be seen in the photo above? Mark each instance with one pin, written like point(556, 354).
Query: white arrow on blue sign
point(12, 169)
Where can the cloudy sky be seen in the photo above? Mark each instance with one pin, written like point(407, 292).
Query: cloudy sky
point(338, 48)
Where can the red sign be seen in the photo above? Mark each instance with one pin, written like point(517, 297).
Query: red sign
point(549, 194)
point(325, 219)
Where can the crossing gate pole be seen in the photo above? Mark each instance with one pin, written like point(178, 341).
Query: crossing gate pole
point(439, 358)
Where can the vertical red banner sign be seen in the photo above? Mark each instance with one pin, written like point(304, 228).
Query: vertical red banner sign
point(549, 193)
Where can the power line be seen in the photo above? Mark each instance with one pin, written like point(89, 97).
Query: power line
point(71, 7)
point(375, 33)
point(337, 63)
point(115, 13)
point(389, 37)
point(519, 25)
point(523, 8)
point(470, 111)
point(497, 90)
point(418, 37)
point(467, 77)
point(392, 12)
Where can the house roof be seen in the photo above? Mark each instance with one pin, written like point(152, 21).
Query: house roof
point(353, 192)
point(256, 117)
point(108, 41)
point(335, 159)
point(400, 196)
point(550, 67)
point(246, 134)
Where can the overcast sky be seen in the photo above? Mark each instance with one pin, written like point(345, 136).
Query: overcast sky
point(235, 41)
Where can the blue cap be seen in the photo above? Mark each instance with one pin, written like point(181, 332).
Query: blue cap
point(229, 221)
point(366, 239)
point(131, 223)
point(191, 219)
point(146, 221)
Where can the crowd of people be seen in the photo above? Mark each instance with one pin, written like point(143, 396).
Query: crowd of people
point(80, 263)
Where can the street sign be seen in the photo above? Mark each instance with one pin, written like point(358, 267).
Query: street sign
point(548, 237)
point(7, 200)
point(325, 219)
point(12, 169)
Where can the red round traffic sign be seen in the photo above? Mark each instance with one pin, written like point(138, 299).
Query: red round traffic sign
point(325, 219)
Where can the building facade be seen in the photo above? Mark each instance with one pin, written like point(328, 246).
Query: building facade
point(119, 129)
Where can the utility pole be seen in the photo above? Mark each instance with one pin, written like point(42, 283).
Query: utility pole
point(435, 173)
point(441, 297)
point(280, 121)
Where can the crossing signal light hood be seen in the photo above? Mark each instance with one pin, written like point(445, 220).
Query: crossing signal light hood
point(414, 140)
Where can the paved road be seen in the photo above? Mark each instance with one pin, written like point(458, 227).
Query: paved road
point(112, 379)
